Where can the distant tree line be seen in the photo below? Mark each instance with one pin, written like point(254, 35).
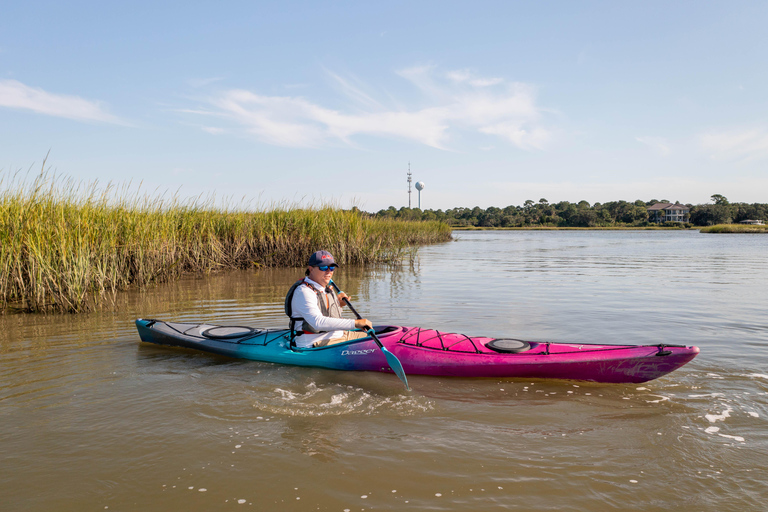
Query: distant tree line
point(581, 214)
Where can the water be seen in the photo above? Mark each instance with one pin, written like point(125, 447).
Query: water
point(91, 419)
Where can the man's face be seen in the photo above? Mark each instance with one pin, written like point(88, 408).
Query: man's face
point(322, 277)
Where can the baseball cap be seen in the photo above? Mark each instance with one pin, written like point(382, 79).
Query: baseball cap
point(321, 258)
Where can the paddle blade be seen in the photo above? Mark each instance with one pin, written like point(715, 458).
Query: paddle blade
point(396, 366)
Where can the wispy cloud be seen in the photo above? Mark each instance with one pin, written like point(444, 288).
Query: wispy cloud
point(354, 91)
point(202, 82)
point(466, 75)
point(658, 144)
point(453, 101)
point(14, 94)
point(213, 130)
point(745, 144)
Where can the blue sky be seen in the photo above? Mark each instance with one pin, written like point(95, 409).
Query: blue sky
point(492, 103)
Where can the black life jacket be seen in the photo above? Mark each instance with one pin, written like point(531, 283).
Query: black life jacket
point(332, 309)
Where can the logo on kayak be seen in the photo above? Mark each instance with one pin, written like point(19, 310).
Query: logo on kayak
point(357, 352)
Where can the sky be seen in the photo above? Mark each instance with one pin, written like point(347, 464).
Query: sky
point(307, 103)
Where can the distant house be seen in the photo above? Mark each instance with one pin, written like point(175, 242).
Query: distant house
point(668, 212)
point(750, 221)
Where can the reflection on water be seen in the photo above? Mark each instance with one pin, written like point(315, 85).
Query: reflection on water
point(91, 418)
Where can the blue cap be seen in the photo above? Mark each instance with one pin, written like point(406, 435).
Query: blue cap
point(321, 258)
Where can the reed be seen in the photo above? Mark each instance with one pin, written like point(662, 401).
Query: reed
point(735, 228)
point(67, 246)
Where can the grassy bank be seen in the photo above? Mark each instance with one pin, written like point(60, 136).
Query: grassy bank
point(66, 246)
point(735, 228)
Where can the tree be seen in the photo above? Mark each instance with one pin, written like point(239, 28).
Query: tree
point(720, 199)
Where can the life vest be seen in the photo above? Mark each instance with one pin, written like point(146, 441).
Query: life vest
point(327, 301)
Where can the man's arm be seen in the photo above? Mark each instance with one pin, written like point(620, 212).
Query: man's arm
point(304, 305)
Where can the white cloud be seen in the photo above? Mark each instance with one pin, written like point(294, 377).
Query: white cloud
point(459, 75)
point(213, 130)
point(14, 94)
point(736, 145)
point(354, 92)
point(202, 82)
point(486, 82)
point(462, 102)
point(658, 144)
point(465, 75)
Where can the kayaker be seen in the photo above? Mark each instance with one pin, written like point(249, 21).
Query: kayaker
point(315, 310)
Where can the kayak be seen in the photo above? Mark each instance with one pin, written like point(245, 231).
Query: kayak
point(431, 352)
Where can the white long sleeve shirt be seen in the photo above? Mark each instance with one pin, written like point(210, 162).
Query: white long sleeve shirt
point(304, 305)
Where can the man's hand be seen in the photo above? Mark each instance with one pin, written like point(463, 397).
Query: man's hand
point(363, 323)
point(343, 298)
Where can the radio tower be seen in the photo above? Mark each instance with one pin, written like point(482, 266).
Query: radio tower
point(409, 185)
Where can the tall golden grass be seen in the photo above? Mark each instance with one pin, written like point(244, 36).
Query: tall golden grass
point(66, 245)
point(735, 228)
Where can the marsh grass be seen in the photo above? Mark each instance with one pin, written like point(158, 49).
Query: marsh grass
point(67, 246)
point(735, 228)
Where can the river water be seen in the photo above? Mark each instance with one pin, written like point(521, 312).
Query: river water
point(92, 419)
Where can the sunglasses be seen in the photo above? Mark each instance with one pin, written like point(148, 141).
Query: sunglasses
point(325, 268)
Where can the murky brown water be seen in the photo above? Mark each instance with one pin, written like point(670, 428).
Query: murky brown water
point(91, 419)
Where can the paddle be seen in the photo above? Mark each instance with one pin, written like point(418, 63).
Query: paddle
point(392, 359)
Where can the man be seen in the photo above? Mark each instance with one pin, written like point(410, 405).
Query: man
point(315, 310)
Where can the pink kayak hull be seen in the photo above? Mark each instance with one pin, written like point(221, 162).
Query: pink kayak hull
point(431, 352)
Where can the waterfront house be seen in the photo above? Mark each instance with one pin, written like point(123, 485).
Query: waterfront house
point(754, 222)
point(668, 212)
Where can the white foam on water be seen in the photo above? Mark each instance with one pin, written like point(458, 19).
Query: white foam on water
point(735, 438)
point(753, 414)
point(286, 395)
point(641, 388)
point(719, 417)
point(712, 430)
point(706, 395)
point(241, 501)
point(662, 398)
point(633, 481)
point(756, 375)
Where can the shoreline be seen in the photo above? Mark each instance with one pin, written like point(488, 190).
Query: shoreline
point(716, 229)
point(566, 228)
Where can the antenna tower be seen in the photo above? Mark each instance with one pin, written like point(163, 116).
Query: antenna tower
point(409, 185)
